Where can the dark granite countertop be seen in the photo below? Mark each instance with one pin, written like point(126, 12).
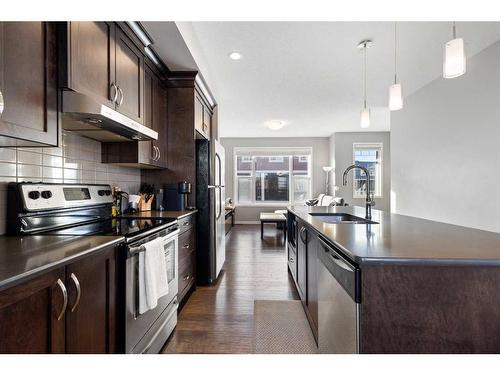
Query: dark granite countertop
point(24, 257)
point(404, 239)
point(166, 214)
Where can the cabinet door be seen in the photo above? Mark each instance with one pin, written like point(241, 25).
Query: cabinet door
point(207, 122)
point(92, 60)
point(92, 306)
point(146, 148)
point(198, 114)
point(29, 315)
point(312, 276)
point(161, 123)
point(302, 260)
point(129, 77)
point(28, 84)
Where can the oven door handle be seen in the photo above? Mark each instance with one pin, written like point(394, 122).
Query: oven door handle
point(134, 250)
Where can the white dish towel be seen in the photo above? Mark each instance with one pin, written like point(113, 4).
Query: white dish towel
point(153, 280)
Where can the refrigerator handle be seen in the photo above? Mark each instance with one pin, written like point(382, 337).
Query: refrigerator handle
point(219, 163)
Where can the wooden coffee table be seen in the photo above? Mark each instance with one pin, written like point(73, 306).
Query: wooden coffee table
point(271, 217)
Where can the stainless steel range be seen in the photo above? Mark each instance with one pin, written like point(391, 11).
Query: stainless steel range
point(85, 210)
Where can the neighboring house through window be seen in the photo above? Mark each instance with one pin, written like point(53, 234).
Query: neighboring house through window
point(368, 155)
point(272, 175)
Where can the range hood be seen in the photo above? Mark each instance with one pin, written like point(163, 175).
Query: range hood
point(83, 115)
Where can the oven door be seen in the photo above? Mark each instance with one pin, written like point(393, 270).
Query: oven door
point(138, 326)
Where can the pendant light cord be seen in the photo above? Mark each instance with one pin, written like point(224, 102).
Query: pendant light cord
point(454, 30)
point(364, 86)
point(395, 53)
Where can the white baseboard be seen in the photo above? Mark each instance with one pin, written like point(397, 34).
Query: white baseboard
point(246, 222)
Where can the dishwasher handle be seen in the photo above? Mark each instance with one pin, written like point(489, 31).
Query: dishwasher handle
point(347, 275)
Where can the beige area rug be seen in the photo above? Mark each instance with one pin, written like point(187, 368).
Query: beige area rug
point(281, 327)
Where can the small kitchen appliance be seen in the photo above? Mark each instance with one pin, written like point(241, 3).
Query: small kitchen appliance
point(176, 196)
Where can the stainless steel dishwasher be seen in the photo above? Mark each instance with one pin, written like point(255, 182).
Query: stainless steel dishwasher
point(338, 302)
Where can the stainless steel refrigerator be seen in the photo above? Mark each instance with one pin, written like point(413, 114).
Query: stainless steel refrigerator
point(210, 202)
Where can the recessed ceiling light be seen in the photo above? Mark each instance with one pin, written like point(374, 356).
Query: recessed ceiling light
point(235, 55)
point(275, 124)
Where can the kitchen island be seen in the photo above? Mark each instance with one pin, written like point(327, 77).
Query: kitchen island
point(421, 286)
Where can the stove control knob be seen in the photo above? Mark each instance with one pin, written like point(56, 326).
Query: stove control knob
point(46, 194)
point(101, 192)
point(108, 192)
point(34, 194)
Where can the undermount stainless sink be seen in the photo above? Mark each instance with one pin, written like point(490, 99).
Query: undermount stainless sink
point(340, 218)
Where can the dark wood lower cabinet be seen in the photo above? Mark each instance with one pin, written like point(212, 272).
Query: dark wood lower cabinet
point(34, 318)
point(91, 318)
point(29, 316)
point(187, 257)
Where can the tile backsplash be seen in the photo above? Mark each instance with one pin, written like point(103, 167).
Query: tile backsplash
point(78, 160)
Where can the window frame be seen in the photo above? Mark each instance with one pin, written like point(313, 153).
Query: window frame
point(369, 145)
point(289, 152)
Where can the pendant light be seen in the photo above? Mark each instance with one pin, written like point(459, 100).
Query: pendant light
point(395, 90)
point(454, 64)
point(365, 112)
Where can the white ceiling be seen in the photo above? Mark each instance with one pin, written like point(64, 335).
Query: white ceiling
point(310, 73)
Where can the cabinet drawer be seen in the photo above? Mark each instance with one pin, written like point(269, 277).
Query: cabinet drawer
point(187, 271)
point(187, 243)
point(186, 223)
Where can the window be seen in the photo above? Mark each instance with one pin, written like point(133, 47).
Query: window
point(368, 155)
point(263, 177)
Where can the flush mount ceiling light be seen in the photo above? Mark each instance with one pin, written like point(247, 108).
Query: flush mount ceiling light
point(395, 90)
point(235, 55)
point(275, 124)
point(365, 112)
point(454, 64)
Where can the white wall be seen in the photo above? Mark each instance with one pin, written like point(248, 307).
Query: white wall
point(343, 143)
point(321, 157)
point(446, 148)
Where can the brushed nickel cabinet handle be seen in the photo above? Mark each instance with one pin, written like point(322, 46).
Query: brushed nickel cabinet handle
point(120, 102)
point(65, 298)
point(186, 246)
point(78, 291)
point(159, 152)
point(115, 93)
point(292, 260)
point(186, 223)
point(186, 277)
point(154, 153)
point(2, 103)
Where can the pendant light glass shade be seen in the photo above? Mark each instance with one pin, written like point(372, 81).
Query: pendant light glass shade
point(454, 58)
point(365, 118)
point(395, 97)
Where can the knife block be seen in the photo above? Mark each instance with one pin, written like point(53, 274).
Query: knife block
point(145, 205)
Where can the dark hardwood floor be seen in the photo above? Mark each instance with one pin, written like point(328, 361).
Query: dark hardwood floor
point(219, 318)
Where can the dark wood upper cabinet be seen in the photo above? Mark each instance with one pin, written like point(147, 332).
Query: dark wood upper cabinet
point(145, 154)
point(129, 62)
point(89, 56)
point(91, 317)
point(28, 84)
point(99, 60)
point(29, 316)
point(202, 115)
